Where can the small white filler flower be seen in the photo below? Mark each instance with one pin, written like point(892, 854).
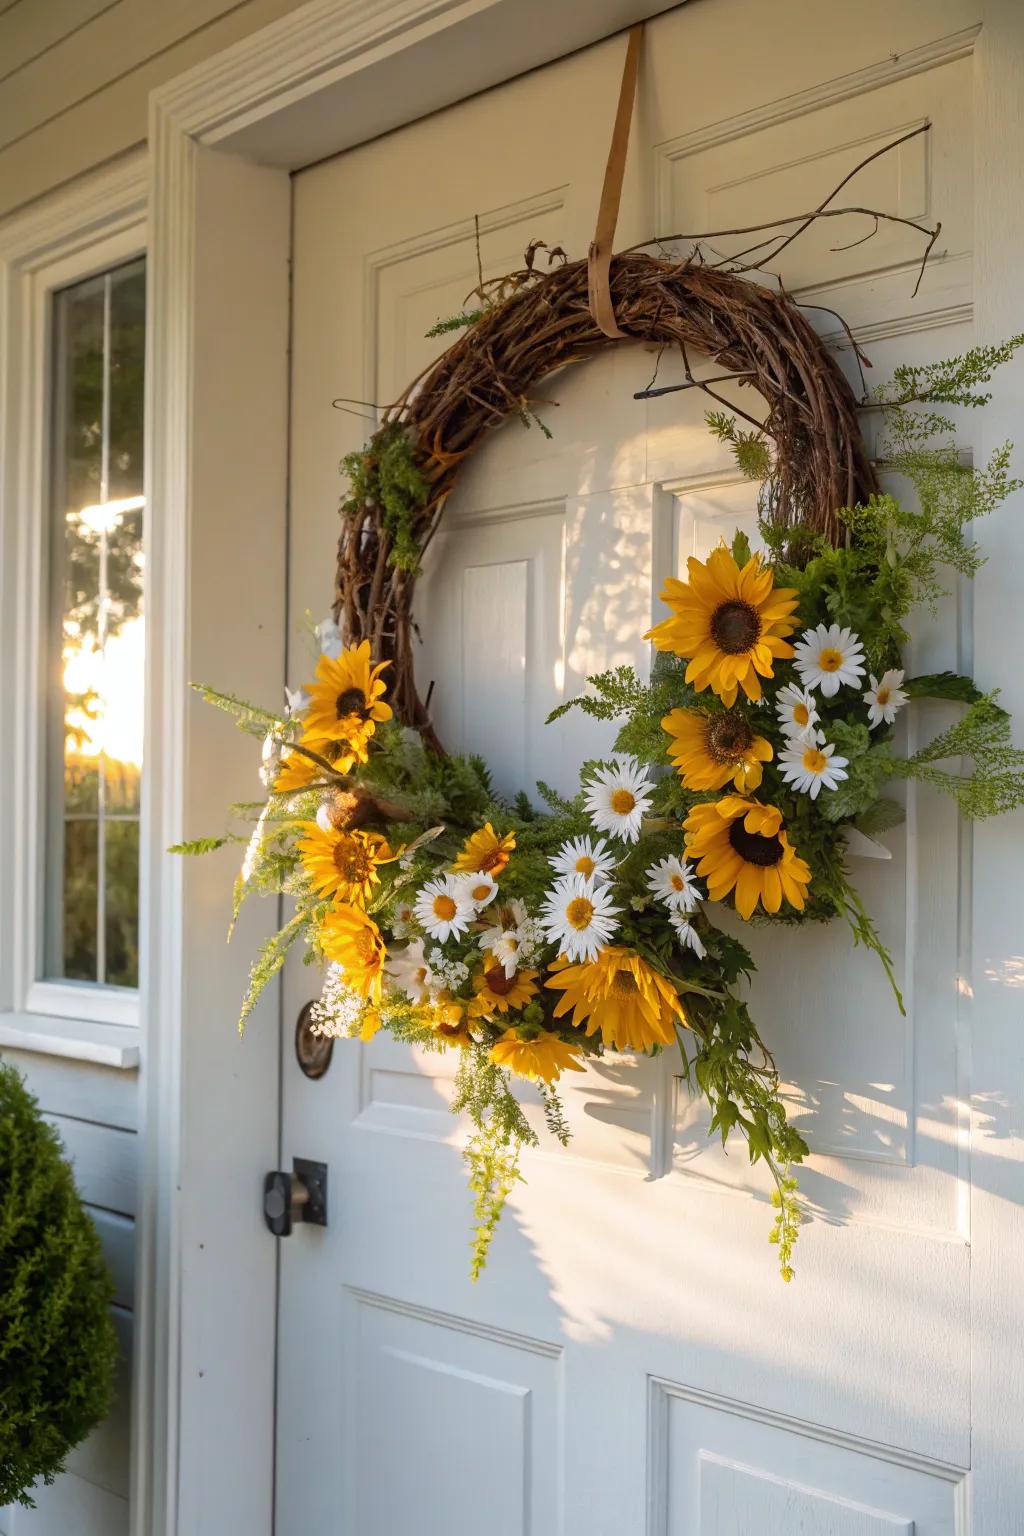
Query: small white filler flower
point(617, 798)
point(884, 699)
point(673, 881)
point(578, 915)
point(828, 657)
point(807, 766)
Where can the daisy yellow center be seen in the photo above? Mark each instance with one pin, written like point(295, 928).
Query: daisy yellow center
point(815, 761)
point(727, 737)
point(353, 862)
point(585, 866)
point(677, 882)
point(622, 802)
point(753, 848)
point(498, 983)
point(579, 913)
point(882, 696)
point(830, 660)
point(735, 627)
point(444, 908)
point(419, 976)
point(801, 714)
point(480, 892)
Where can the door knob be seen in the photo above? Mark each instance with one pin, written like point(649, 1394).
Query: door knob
point(297, 1196)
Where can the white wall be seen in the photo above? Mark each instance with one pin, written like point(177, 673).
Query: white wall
point(75, 77)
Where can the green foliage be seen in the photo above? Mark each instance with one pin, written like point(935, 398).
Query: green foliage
point(943, 685)
point(57, 1342)
point(460, 322)
point(880, 816)
point(248, 717)
point(953, 381)
point(482, 1092)
point(199, 845)
point(996, 783)
point(269, 960)
point(789, 1215)
point(386, 475)
point(750, 449)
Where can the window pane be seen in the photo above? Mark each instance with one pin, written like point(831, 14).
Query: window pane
point(122, 904)
point(81, 865)
point(97, 628)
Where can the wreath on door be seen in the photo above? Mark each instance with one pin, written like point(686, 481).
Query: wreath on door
point(529, 937)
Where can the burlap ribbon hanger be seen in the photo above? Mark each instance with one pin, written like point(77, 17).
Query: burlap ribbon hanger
point(599, 257)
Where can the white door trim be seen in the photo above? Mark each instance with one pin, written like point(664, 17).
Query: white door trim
point(222, 140)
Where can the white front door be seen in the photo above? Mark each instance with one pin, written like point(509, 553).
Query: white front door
point(630, 1360)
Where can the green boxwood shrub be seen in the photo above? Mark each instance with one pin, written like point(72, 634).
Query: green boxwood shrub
point(57, 1342)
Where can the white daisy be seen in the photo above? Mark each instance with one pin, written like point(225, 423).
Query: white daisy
point(672, 880)
point(505, 945)
point(480, 888)
point(443, 908)
point(407, 971)
point(797, 712)
point(585, 856)
point(404, 921)
point(885, 698)
point(807, 766)
point(578, 915)
point(828, 657)
point(687, 934)
point(617, 798)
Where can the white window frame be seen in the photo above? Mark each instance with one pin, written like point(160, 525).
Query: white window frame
point(98, 224)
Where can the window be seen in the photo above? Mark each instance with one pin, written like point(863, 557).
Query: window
point(95, 654)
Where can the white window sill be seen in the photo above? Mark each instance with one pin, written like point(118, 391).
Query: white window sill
point(107, 1045)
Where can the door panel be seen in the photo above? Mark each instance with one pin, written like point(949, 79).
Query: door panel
point(629, 1360)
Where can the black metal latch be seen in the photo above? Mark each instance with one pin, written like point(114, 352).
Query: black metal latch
point(297, 1196)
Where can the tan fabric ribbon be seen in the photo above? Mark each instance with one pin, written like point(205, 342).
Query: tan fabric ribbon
point(599, 258)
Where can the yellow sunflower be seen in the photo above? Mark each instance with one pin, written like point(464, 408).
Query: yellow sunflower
point(297, 770)
point(352, 940)
point(741, 846)
point(343, 864)
point(709, 750)
point(346, 700)
point(497, 993)
point(485, 852)
point(542, 1059)
point(448, 1018)
point(619, 996)
point(731, 623)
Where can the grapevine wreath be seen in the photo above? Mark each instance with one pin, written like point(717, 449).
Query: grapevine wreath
point(530, 937)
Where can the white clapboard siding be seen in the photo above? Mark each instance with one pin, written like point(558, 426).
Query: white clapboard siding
point(104, 1161)
point(79, 1089)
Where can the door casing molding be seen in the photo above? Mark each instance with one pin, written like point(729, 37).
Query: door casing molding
point(223, 139)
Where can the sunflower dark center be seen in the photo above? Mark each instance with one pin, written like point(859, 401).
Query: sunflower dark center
point(498, 983)
point(727, 737)
point(755, 849)
point(735, 627)
point(351, 702)
point(625, 981)
point(352, 861)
